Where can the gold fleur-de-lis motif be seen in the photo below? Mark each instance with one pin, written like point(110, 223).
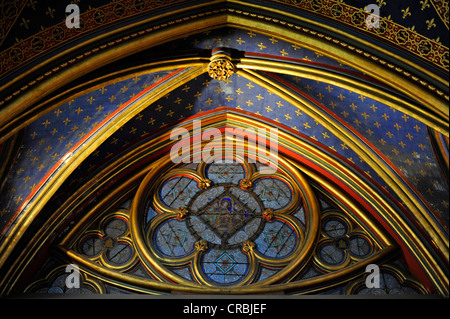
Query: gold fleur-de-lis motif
point(431, 24)
point(381, 3)
point(25, 23)
point(32, 4)
point(201, 245)
point(424, 4)
point(406, 13)
point(50, 12)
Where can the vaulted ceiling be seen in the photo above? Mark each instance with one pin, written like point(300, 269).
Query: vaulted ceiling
point(74, 100)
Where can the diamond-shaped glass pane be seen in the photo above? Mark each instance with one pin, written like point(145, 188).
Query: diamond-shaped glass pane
point(274, 193)
point(225, 263)
point(226, 173)
point(225, 215)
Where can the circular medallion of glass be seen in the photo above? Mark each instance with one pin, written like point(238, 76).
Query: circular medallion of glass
point(220, 222)
point(225, 216)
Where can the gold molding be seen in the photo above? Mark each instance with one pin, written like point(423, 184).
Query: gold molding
point(393, 180)
point(405, 86)
point(303, 149)
point(95, 61)
point(399, 276)
point(438, 122)
point(105, 35)
point(349, 36)
point(71, 161)
point(84, 280)
point(21, 120)
point(107, 275)
point(206, 22)
point(402, 229)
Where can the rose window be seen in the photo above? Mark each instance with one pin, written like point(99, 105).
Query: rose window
point(221, 223)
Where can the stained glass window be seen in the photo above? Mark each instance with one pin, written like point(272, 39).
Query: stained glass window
point(228, 226)
point(226, 215)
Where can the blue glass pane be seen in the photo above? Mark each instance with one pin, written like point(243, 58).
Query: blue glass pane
point(55, 290)
point(274, 193)
point(359, 246)
point(205, 197)
point(225, 266)
point(330, 254)
point(178, 191)
point(246, 232)
point(173, 239)
point(267, 273)
point(225, 215)
point(300, 215)
point(334, 228)
point(225, 173)
point(277, 240)
point(204, 231)
point(182, 272)
point(150, 214)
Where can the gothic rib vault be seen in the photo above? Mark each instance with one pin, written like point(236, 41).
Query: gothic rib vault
point(369, 139)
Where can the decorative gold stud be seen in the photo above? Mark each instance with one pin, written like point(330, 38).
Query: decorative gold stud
point(245, 184)
point(221, 67)
point(182, 213)
point(268, 214)
point(204, 184)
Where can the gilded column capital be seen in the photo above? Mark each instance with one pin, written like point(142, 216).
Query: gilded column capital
point(201, 245)
point(248, 246)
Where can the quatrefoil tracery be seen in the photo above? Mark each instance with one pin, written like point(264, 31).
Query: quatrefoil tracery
point(229, 226)
point(110, 244)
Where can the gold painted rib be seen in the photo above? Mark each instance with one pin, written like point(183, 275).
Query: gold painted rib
point(349, 36)
point(405, 86)
point(417, 92)
point(70, 161)
point(439, 121)
point(301, 148)
point(362, 150)
point(107, 275)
